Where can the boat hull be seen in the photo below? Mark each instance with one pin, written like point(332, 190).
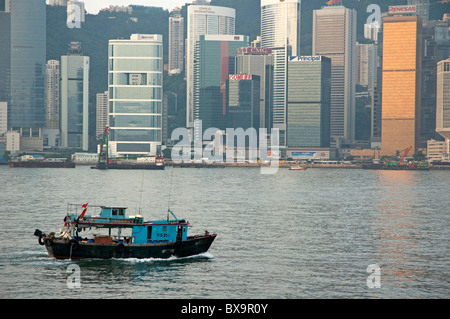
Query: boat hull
point(63, 249)
point(38, 164)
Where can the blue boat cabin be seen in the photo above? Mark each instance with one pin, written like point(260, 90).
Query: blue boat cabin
point(158, 231)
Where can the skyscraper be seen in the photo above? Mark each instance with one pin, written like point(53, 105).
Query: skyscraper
point(334, 36)
point(443, 101)
point(422, 9)
point(75, 99)
point(243, 104)
point(176, 42)
point(5, 53)
point(366, 64)
point(401, 96)
point(259, 61)
point(309, 93)
point(28, 63)
point(53, 94)
point(102, 114)
point(215, 56)
point(135, 95)
point(436, 47)
point(280, 31)
point(203, 20)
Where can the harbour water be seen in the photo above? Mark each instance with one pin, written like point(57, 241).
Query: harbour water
point(294, 234)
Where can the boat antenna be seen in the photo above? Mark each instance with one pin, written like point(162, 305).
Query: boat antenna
point(170, 192)
point(142, 190)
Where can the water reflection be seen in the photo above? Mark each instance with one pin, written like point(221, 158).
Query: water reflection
point(396, 227)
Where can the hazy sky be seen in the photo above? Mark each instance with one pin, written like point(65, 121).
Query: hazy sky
point(93, 6)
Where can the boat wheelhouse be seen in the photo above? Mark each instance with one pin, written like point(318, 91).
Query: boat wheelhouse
point(126, 237)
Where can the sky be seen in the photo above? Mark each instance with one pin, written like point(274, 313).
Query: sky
point(93, 6)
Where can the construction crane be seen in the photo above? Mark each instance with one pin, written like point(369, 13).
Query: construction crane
point(406, 152)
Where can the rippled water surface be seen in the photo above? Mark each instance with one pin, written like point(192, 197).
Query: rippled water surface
point(295, 234)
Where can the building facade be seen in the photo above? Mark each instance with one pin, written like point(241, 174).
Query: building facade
point(366, 65)
point(422, 9)
point(402, 68)
point(259, 61)
point(243, 105)
point(52, 114)
point(102, 114)
point(75, 99)
point(28, 64)
point(216, 61)
point(176, 42)
point(280, 31)
point(309, 94)
point(203, 20)
point(135, 95)
point(334, 36)
point(443, 101)
point(436, 47)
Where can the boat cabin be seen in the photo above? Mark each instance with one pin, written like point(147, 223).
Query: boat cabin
point(158, 231)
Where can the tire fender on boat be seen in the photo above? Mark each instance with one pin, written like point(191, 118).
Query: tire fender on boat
point(48, 241)
point(40, 241)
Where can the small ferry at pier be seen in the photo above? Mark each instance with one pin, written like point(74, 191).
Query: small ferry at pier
point(145, 239)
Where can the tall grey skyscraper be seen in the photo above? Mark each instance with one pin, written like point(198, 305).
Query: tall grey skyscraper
point(176, 42)
point(334, 36)
point(28, 63)
point(75, 99)
point(5, 52)
point(203, 20)
point(280, 31)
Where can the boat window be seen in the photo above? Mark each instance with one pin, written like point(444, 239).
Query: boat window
point(114, 212)
point(164, 228)
point(121, 212)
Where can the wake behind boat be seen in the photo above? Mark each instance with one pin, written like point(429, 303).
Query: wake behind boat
point(151, 239)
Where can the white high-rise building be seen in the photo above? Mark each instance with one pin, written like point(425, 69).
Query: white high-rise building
point(53, 94)
point(135, 95)
point(280, 31)
point(202, 20)
point(367, 62)
point(443, 102)
point(334, 36)
point(176, 42)
point(75, 99)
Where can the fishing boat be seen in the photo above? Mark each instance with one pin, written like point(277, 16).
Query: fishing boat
point(145, 239)
point(297, 168)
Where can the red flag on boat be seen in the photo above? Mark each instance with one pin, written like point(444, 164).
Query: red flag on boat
point(331, 2)
point(84, 211)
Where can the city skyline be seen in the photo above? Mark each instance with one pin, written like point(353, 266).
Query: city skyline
point(94, 6)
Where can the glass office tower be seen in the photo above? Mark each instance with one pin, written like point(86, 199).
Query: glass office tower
point(215, 56)
point(28, 63)
point(202, 20)
point(135, 95)
point(402, 74)
point(309, 93)
point(75, 99)
point(280, 31)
